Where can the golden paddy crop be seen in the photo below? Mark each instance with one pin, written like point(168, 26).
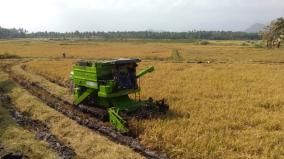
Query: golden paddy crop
point(222, 110)
point(229, 107)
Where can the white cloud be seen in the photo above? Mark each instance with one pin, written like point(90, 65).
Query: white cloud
point(174, 15)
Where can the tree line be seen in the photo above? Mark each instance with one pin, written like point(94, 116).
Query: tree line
point(208, 35)
point(273, 34)
point(12, 33)
point(122, 35)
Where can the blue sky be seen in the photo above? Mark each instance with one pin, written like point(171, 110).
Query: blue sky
point(134, 15)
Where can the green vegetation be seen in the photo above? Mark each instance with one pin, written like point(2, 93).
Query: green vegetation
point(204, 42)
point(176, 55)
point(273, 33)
point(122, 36)
point(12, 33)
point(8, 56)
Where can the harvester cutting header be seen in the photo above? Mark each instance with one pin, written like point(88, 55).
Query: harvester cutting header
point(103, 88)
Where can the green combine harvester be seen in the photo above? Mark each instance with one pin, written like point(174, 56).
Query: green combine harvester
point(103, 88)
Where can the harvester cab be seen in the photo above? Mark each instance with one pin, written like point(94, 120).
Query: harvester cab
point(106, 85)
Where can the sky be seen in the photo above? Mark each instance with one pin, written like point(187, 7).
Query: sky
point(137, 15)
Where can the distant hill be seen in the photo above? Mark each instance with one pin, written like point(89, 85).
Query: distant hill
point(257, 27)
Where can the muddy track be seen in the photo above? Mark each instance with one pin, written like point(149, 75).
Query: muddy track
point(68, 109)
point(39, 128)
point(8, 154)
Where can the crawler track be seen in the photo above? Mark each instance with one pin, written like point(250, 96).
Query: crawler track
point(67, 108)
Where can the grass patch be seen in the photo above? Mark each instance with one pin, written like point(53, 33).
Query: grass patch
point(204, 42)
point(258, 44)
point(176, 56)
point(244, 44)
point(154, 58)
point(9, 56)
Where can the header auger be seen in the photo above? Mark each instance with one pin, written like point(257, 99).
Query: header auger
point(103, 88)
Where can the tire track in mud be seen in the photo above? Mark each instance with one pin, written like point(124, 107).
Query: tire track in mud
point(39, 128)
point(68, 109)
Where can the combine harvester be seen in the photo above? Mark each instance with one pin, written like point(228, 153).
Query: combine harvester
point(102, 88)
